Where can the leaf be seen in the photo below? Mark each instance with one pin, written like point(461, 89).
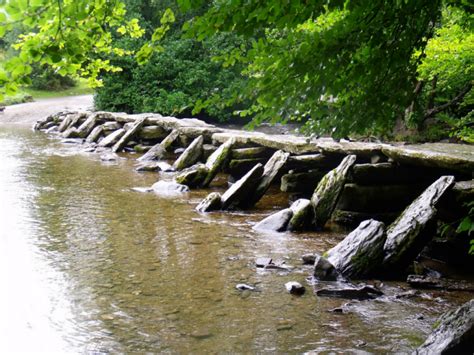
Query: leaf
point(466, 225)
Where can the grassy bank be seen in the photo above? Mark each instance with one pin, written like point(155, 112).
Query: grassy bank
point(29, 94)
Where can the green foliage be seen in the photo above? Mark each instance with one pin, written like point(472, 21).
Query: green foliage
point(465, 225)
point(44, 78)
point(447, 68)
point(175, 80)
point(343, 66)
point(71, 36)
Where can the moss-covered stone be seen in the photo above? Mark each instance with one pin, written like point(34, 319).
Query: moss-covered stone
point(327, 192)
point(211, 203)
point(361, 252)
point(193, 176)
point(405, 237)
point(302, 215)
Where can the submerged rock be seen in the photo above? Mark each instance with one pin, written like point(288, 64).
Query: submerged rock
point(405, 237)
point(295, 288)
point(276, 222)
point(168, 187)
point(360, 293)
point(361, 252)
point(191, 155)
point(148, 166)
point(327, 192)
point(239, 192)
point(454, 333)
point(212, 202)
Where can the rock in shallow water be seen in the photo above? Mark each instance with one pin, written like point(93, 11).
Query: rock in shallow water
point(276, 222)
point(324, 270)
point(454, 333)
point(361, 252)
point(211, 203)
point(295, 288)
point(361, 293)
point(327, 192)
point(169, 187)
point(405, 237)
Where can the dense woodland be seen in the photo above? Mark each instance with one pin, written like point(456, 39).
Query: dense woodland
point(344, 68)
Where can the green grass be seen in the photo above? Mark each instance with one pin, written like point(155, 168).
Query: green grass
point(80, 89)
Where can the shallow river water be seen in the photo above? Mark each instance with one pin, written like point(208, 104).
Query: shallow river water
point(89, 265)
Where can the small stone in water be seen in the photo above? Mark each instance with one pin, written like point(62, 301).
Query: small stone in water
point(308, 259)
point(295, 288)
point(263, 262)
point(243, 287)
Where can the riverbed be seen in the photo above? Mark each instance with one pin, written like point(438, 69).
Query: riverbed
point(90, 265)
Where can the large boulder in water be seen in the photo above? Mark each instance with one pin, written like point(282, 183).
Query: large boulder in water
point(454, 333)
point(327, 192)
point(361, 252)
point(405, 237)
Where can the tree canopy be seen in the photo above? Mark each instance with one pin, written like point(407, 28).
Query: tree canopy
point(343, 67)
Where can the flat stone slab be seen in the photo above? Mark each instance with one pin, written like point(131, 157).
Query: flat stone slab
point(459, 157)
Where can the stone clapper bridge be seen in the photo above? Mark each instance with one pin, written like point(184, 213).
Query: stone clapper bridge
point(368, 185)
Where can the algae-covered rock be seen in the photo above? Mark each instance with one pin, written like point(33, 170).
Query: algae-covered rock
point(276, 222)
point(217, 160)
point(127, 136)
point(211, 203)
point(361, 252)
point(239, 192)
point(112, 138)
point(193, 176)
point(327, 192)
point(454, 333)
point(302, 215)
point(148, 166)
point(191, 155)
point(405, 237)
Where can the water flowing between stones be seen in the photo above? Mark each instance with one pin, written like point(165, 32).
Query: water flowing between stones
point(89, 265)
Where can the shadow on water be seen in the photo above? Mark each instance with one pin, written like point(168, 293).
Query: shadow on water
point(91, 265)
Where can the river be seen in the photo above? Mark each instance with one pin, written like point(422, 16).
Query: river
point(90, 265)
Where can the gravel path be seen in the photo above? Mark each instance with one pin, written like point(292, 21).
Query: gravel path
point(29, 113)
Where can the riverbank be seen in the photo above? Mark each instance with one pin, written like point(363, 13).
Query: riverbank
point(28, 113)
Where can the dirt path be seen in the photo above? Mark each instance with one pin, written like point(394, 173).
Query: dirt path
point(29, 113)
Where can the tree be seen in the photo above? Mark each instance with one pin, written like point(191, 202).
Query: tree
point(173, 79)
point(71, 36)
point(343, 67)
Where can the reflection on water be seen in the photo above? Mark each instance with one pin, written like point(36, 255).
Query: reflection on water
point(89, 265)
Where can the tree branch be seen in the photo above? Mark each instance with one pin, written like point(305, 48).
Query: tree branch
point(459, 97)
